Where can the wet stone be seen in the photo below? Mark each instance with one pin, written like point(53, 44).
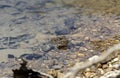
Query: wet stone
point(69, 22)
point(62, 31)
point(47, 47)
point(31, 56)
point(105, 30)
point(61, 42)
point(11, 56)
point(80, 44)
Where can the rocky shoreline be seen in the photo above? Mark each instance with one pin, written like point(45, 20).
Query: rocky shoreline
point(49, 35)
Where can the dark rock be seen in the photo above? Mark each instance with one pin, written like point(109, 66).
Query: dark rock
point(4, 6)
point(80, 44)
point(62, 31)
point(11, 56)
point(47, 47)
point(31, 56)
point(61, 42)
point(24, 72)
point(118, 76)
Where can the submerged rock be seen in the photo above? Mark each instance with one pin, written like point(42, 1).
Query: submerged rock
point(60, 42)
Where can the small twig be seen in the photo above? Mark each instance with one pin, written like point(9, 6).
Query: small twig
point(44, 74)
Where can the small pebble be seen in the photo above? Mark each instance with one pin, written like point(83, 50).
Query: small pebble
point(80, 54)
point(86, 38)
point(101, 71)
point(117, 66)
point(105, 66)
point(111, 74)
point(114, 60)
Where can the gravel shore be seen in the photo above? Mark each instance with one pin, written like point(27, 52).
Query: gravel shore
point(49, 35)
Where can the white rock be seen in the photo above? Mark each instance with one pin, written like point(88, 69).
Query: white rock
point(114, 60)
point(111, 74)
